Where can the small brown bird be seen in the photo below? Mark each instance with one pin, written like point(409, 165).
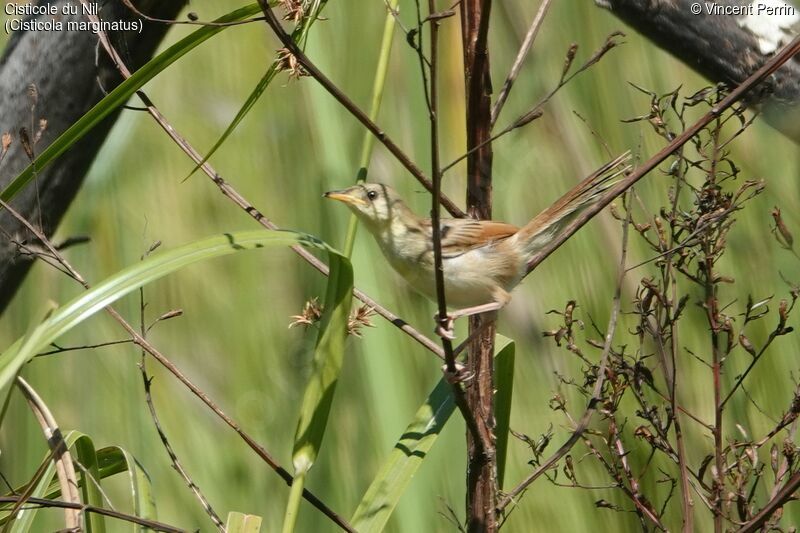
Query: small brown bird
point(483, 260)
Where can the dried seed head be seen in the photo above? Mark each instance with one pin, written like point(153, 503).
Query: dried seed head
point(293, 10)
point(26, 143)
point(573, 49)
point(747, 345)
point(782, 233)
point(527, 118)
point(310, 315)
point(40, 131)
point(783, 311)
point(288, 62)
point(773, 458)
point(360, 318)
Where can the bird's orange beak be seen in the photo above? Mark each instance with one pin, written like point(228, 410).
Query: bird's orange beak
point(346, 196)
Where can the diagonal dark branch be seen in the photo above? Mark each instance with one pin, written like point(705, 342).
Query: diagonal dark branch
point(45, 503)
point(783, 496)
point(724, 48)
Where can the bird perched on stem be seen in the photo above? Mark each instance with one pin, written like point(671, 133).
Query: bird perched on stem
point(483, 260)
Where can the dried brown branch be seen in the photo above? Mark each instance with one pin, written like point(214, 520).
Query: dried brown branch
point(65, 469)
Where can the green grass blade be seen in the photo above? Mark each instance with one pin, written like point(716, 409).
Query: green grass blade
point(397, 470)
point(113, 460)
point(243, 523)
point(141, 488)
point(328, 357)
point(151, 269)
point(504, 383)
point(327, 364)
point(119, 96)
point(86, 455)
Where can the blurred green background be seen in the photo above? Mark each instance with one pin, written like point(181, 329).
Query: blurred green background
point(233, 340)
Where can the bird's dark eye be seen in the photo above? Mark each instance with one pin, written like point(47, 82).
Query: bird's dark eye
point(372, 195)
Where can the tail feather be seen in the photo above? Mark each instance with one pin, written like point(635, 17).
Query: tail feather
point(546, 224)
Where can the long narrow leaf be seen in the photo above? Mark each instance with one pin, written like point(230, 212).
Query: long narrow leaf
point(119, 96)
point(504, 382)
point(242, 523)
point(86, 455)
point(256, 93)
point(138, 275)
point(140, 486)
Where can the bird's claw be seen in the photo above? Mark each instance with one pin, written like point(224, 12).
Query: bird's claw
point(444, 327)
point(459, 376)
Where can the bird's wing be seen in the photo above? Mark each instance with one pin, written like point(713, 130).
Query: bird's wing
point(460, 235)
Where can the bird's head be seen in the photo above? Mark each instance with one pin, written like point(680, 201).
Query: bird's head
point(377, 205)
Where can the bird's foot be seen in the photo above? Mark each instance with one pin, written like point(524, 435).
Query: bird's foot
point(444, 327)
point(459, 376)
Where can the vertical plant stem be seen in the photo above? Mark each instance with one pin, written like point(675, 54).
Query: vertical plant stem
point(482, 467)
point(293, 505)
point(712, 308)
point(670, 284)
point(377, 95)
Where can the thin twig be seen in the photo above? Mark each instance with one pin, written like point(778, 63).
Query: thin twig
point(45, 503)
point(176, 463)
point(783, 496)
point(59, 349)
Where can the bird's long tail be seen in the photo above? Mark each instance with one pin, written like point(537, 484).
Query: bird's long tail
point(549, 222)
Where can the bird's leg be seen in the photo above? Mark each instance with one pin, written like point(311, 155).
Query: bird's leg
point(444, 325)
